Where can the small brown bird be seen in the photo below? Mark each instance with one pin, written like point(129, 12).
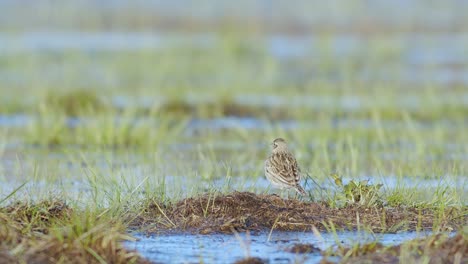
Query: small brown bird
point(281, 167)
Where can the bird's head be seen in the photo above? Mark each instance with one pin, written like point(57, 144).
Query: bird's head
point(279, 145)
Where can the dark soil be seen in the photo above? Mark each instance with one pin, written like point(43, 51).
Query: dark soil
point(240, 211)
point(303, 249)
point(251, 260)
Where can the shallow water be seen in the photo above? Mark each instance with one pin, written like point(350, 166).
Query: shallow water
point(255, 123)
point(221, 248)
point(71, 169)
point(417, 52)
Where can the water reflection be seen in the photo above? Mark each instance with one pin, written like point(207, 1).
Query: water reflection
point(220, 248)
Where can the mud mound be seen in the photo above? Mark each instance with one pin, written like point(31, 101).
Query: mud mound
point(303, 249)
point(251, 260)
point(434, 249)
point(241, 211)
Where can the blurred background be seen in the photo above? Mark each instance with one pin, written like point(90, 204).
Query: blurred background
point(364, 87)
point(127, 50)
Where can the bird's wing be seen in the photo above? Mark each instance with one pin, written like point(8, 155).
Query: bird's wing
point(295, 169)
point(285, 167)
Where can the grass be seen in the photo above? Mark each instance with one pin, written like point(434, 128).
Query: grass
point(52, 232)
point(432, 249)
point(73, 103)
point(123, 130)
point(55, 231)
point(240, 211)
point(173, 138)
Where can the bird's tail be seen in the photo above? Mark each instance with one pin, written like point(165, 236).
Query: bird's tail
point(300, 190)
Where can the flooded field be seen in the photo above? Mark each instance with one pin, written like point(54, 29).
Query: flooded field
point(137, 131)
point(273, 248)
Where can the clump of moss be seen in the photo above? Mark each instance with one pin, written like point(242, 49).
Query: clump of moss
point(75, 102)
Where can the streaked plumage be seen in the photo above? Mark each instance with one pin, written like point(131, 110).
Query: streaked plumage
point(281, 167)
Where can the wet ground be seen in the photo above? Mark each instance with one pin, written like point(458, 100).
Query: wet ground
point(222, 248)
point(425, 45)
point(417, 51)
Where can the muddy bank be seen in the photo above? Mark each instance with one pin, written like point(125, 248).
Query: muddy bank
point(240, 211)
point(434, 249)
point(439, 248)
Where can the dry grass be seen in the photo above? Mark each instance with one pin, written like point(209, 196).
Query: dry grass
point(95, 243)
point(51, 232)
point(239, 211)
point(38, 217)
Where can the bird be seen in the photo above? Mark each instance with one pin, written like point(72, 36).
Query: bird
point(281, 167)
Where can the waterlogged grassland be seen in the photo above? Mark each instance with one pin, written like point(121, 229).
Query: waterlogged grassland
point(95, 143)
point(127, 181)
point(171, 164)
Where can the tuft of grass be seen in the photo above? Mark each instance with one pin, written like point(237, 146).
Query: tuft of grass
point(357, 193)
point(51, 232)
point(73, 102)
point(126, 130)
point(38, 217)
point(439, 248)
point(399, 197)
point(223, 107)
point(356, 250)
point(85, 240)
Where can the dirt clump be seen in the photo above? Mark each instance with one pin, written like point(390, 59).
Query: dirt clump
point(251, 260)
point(303, 249)
point(240, 211)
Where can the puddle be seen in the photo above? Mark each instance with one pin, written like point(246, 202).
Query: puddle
point(14, 120)
point(254, 123)
point(423, 49)
point(220, 248)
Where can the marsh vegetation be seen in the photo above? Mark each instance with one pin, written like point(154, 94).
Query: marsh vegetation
point(110, 140)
